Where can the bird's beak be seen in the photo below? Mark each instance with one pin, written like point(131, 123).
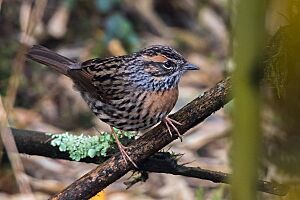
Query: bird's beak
point(189, 66)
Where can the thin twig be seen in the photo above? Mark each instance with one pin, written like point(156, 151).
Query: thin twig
point(12, 152)
point(167, 164)
point(6, 136)
point(34, 17)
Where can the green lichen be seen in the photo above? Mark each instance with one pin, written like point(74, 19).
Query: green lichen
point(82, 146)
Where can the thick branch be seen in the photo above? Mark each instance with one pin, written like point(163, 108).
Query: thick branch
point(38, 143)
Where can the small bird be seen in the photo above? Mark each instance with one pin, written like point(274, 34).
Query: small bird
point(131, 92)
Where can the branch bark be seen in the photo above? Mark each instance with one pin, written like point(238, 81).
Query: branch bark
point(170, 166)
point(38, 143)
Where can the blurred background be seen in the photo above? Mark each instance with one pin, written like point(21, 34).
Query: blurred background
point(37, 98)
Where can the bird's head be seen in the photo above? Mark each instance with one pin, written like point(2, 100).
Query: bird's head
point(163, 65)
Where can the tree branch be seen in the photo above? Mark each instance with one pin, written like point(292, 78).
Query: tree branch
point(38, 143)
point(168, 165)
point(151, 142)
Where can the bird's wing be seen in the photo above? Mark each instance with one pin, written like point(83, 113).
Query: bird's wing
point(104, 79)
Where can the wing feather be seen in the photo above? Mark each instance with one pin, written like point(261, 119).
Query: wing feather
point(101, 78)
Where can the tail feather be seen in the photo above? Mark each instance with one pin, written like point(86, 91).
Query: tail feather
point(50, 58)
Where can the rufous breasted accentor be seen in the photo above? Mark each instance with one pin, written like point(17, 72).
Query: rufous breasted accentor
point(131, 92)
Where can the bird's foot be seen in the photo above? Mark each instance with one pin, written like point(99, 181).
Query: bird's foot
point(122, 149)
point(170, 122)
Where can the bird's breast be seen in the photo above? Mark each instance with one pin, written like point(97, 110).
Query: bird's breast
point(160, 102)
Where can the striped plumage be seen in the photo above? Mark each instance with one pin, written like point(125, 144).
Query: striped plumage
point(131, 92)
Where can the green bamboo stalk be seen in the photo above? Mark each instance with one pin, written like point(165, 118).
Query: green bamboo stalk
point(248, 40)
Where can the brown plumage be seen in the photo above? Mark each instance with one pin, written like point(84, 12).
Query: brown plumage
point(132, 92)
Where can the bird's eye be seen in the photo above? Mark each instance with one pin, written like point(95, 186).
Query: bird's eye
point(168, 65)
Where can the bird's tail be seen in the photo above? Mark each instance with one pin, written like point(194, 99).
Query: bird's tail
point(49, 58)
